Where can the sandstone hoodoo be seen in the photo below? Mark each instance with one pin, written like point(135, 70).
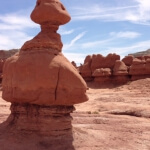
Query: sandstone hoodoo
point(140, 69)
point(120, 72)
point(39, 76)
point(102, 75)
point(85, 70)
point(128, 60)
point(99, 61)
point(120, 68)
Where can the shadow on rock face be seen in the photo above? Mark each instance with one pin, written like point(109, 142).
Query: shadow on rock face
point(38, 128)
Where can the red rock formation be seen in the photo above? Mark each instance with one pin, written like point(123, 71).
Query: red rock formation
point(40, 82)
point(147, 66)
point(128, 60)
point(138, 69)
point(1, 68)
point(120, 69)
point(74, 64)
point(4, 54)
point(1, 65)
point(44, 120)
point(137, 66)
point(102, 72)
point(86, 68)
point(120, 72)
point(39, 73)
point(141, 58)
point(94, 68)
point(147, 57)
point(102, 75)
point(99, 61)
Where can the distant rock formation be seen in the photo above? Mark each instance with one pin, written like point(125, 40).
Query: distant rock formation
point(85, 70)
point(128, 60)
point(4, 54)
point(74, 64)
point(1, 67)
point(102, 72)
point(120, 73)
point(120, 69)
point(99, 61)
point(140, 69)
point(142, 53)
point(102, 75)
point(111, 69)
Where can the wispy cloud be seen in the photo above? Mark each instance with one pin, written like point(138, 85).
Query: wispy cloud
point(64, 31)
point(16, 21)
point(137, 13)
point(13, 30)
point(126, 34)
point(114, 36)
point(122, 51)
point(73, 41)
point(94, 44)
point(135, 47)
point(13, 39)
point(103, 13)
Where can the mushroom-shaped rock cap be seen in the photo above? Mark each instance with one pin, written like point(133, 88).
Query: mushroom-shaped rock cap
point(51, 11)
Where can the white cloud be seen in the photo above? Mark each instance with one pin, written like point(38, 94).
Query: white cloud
point(63, 31)
point(13, 39)
point(114, 36)
point(13, 30)
point(144, 5)
point(95, 43)
point(81, 11)
point(73, 41)
point(136, 13)
point(136, 47)
point(122, 51)
point(16, 21)
point(144, 9)
point(102, 13)
point(126, 34)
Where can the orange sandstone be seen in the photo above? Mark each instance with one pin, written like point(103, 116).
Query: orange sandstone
point(39, 73)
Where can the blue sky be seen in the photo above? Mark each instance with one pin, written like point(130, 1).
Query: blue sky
point(97, 26)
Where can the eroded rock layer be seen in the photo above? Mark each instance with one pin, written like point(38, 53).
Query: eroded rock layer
point(42, 120)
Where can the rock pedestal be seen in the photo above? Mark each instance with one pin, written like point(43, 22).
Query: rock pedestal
point(42, 120)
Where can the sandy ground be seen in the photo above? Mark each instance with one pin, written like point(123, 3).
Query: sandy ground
point(114, 118)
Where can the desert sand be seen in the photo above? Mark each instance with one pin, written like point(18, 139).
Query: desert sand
point(114, 118)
